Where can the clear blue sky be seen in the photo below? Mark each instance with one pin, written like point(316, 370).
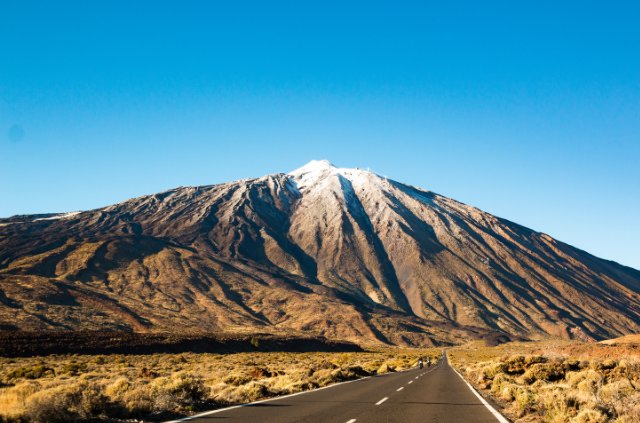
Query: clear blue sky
point(527, 110)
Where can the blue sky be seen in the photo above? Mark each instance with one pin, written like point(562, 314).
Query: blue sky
point(527, 110)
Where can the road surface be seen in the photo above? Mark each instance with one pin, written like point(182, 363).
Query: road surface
point(435, 394)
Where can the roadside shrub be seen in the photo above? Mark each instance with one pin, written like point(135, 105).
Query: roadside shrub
point(92, 401)
point(138, 401)
point(236, 380)
point(508, 391)
point(514, 359)
point(253, 391)
point(494, 369)
point(590, 382)
point(188, 387)
point(385, 368)
point(589, 416)
point(166, 401)
point(571, 365)
point(48, 407)
point(344, 358)
point(500, 380)
point(118, 388)
point(525, 398)
point(358, 370)
point(534, 359)
point(546, 372)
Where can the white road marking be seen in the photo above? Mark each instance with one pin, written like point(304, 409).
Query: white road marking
point(410, 381)
point(400, 389)
point(497, 415)
point(351, 421)
point(382, 400)
point(416, 377)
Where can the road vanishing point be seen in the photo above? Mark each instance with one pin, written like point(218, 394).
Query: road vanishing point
point(434, 394)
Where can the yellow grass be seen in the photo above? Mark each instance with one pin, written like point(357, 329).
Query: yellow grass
point(60, 388)
point(553, 387)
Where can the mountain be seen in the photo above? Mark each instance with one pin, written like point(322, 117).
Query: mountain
point(344, 253)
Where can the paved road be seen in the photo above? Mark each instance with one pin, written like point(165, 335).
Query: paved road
point(435, 394)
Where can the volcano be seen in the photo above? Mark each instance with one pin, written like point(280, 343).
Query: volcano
point(344, 253)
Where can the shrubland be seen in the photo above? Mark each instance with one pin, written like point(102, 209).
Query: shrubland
point(544, 382)
point(62, 388)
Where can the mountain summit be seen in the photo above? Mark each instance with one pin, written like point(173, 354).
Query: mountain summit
point(340, 252)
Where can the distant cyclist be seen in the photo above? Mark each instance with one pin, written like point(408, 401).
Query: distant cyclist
point(420, 362)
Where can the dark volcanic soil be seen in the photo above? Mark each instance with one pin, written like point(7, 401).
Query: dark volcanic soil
point(28, 344)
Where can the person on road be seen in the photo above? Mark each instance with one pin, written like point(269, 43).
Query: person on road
point(420, 362)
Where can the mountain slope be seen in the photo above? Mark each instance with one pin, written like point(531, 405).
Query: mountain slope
point(341, 252)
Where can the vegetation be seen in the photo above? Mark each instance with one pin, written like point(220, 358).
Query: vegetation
point(163, 386)
point(552, 386)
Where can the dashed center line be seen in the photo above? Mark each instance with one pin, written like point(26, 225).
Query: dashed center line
point(351, 421)
point(416, 377)
point(400, 389)
point(382, 400)
point(410, 381)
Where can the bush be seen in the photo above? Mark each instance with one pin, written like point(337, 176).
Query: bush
point(494, 369)
point(253, 391)
point(74, 368)
point(526, 399)
point(118, 388)
point(571, 365)
point(92, 401)
point(254, 342)
point(534, 359)
point(48, 407)
point(99, 360)
point(514, 359)
point(508, 392)
point(500, 380)
point(546, 372)
point(138, 401)
point(166, 401)
point(589, 416)
point(35, 372)
point(236, 380)
point(188, 387)
point(385, 368)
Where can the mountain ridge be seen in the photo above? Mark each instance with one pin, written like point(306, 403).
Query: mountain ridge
point(241, 252)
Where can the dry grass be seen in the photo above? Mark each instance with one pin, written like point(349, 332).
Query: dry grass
point(552, 386)
point(153, 387)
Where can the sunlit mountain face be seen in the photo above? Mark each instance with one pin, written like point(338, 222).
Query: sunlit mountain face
point(344, 253)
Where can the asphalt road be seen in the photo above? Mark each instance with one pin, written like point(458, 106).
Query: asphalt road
point(435, 394)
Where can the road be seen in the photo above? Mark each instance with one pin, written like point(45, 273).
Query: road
point(435, 394)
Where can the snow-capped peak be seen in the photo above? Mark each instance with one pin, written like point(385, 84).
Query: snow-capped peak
point(313, 166)
point(319, 170)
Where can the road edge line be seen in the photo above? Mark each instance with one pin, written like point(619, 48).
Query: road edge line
point(207, 413)
point(493, 411)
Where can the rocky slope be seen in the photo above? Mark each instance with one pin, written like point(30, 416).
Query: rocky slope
point(339, 252)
